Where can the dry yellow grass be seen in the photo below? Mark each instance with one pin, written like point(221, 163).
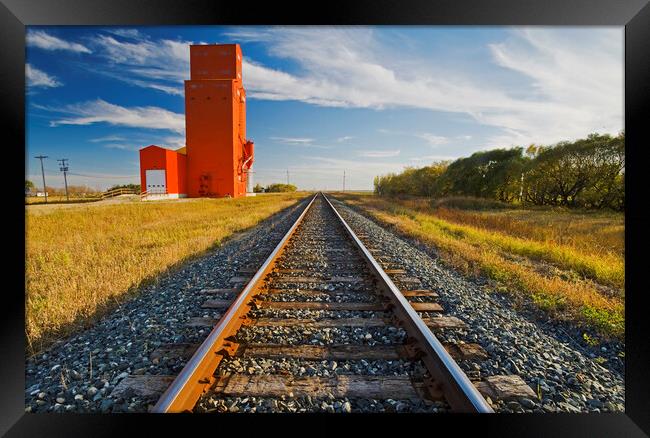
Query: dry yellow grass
point(508, 247)
point(599, 232)
point(81, 262)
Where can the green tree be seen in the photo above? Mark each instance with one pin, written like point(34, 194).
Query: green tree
point(258, 188)
point(587, 173)
point(606, 188)
point(494, 174)
point(412, 181)
point(280, 188)
point(29, 186)
point(126, 186)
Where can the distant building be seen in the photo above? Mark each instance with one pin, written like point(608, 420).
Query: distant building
point(217, 158)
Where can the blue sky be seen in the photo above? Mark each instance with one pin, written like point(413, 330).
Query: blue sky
point(321, 100)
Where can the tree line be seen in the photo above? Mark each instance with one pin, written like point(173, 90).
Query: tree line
point(73, 190)
point(274, 188)
point(78, 190)
point(135, 187)
point(586, 173)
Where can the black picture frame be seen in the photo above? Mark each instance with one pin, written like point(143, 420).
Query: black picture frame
point(633, 14)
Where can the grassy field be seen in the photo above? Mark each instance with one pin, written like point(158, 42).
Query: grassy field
point(570, 263)
point(82, 262)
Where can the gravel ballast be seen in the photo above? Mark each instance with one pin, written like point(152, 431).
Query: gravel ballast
point(79, 373)
point(304, 273)
point(544, 355)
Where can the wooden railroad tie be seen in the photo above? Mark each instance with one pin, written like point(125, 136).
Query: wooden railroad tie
point(322, 280)
point(323, 305)
point(419, 293)
point(201, 322)
point(506, 388)
point(394, 271)
point(320, 352)
point(441, 322)
point(424, 293)
point(275, 385)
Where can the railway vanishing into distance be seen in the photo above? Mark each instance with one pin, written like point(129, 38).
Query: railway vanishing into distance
point(328, 295)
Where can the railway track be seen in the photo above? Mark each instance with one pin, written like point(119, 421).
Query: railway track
point(322, 319)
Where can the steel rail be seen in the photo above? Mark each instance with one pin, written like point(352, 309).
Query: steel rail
point(458, 390)
point(188, 386)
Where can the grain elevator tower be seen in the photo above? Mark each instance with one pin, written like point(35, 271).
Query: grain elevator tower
point(217, 157)
point(218, 154)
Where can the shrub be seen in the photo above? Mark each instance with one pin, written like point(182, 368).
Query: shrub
point(469, 203)
point(275, 188)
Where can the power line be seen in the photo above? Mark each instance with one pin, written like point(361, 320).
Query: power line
point(40, 157)
point(104, 177)
point(64, 168)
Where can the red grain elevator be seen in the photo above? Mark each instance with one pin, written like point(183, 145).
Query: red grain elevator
point(217, 154)
point(163, 172)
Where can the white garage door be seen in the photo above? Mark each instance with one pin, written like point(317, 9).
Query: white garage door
point(156, 181)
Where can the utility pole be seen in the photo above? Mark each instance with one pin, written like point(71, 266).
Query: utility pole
point(287, 176)
point(344, 180)
point(63, 167)
point(40, 157)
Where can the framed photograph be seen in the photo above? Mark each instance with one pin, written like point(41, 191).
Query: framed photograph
point(380, 212)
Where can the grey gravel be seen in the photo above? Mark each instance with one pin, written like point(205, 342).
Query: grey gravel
point(307, 404)
point(543, 352)
point(120, 344)
point(323, 252)
point(322, 368)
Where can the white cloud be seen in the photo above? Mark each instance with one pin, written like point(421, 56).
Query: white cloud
point(433, 140)
point(38, 78)
point(292, 140)
point(344, 138)
point(576, 86)
point(578, 74)
point(127, 33)
point(379, 154)
point(143, 83)
point(343, 67)
point(162, 59)
point(100, 111)
point(177, 141)
point(162, 65)
point(298, 141)
point(574, 78)
point(44, 40)
point(107, 138)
